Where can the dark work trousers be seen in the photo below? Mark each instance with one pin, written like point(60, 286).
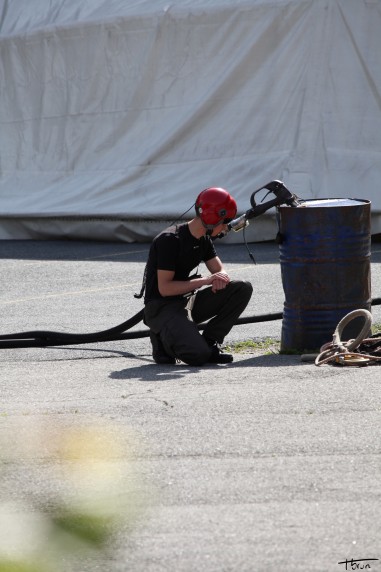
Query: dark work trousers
point(179, 334)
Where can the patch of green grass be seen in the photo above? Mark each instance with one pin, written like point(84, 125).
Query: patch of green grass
point(376, 329)
point(267, 346)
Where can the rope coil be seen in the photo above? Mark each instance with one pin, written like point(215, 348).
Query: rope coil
point(360, 351)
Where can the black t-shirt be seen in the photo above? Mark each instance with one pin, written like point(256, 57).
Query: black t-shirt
point(176, 249)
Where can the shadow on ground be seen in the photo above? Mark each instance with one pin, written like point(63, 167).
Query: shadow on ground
point(154, 372)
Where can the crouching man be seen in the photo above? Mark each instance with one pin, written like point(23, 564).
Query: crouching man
point(176, 301)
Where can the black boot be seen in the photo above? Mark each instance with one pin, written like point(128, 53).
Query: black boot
point(159, 354)
point(218, 355)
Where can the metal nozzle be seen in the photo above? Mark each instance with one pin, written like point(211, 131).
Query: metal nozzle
point(238, 223)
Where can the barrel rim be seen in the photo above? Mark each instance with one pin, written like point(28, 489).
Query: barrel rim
point(365, 201)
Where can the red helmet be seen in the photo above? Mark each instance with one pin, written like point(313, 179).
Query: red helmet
point(215, 206)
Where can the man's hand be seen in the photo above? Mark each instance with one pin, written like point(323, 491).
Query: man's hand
point(219, 281)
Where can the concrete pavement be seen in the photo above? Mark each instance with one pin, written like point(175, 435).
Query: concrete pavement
point(265, 464)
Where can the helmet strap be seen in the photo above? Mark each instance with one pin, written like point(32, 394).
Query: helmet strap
point(210, 227)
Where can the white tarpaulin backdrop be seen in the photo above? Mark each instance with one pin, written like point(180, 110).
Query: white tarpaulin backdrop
point(113, 112)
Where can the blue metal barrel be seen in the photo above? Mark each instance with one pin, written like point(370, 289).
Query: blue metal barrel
point(325, 263)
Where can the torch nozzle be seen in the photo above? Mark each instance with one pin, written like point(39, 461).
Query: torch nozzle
point(238, 223)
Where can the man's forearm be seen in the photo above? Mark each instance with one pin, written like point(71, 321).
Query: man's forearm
point(180, 287)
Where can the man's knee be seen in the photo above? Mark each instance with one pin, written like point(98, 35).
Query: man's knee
point(243, 289)
point(187, 345)
point(195, 358)
point(192, 352)
point(247, 288)
point(246, 285)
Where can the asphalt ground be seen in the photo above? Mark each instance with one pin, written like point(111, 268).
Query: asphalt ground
point(265, 464)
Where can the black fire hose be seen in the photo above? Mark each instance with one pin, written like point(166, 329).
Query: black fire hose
point(47, 338)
